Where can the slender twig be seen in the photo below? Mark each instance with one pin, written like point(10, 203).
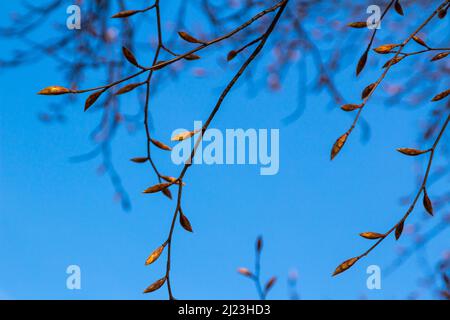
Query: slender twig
point(160, 65)
point(216, 108)
point(169, 239)
point(374, 33)
point(422, 189)
point(219, 39)
point(255, 276)
point(408, 54)
point(147, 89)
point(278, 8)
point(391, 63)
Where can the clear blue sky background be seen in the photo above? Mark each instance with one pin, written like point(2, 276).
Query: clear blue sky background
point(54, 213)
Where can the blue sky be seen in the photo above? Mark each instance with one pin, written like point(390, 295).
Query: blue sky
point(54, 213)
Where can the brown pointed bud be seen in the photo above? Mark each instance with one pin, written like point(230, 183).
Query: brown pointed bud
point(411, 152)
point(372, 235)
point(440, 56)
point(185, 135)
point(441, 95)
point(169, 179)
point(351, 107)
point(125, 13)
point(398, 8)
point(187, 37)
point(129, 88)
point(231, 55)
point(427, 202)
point(130, 56)
point(192, 56)
point(362, 62)
point(245, 272)
point(156, 285)
point(385, 48)
point(393, 61)
point(347, 264)
point(338, 145)
point(259, 244)
point(358, 25)
point(420, 41)
point(185, 223)
point(160, 145)
point(157, 188)
point(55, 90)
point(172, 180)
point(167, 193)
point(270, 284)
point(442, 13)
point(139, 160)
point(155, 255)
point(399, 229)
point(91, 99)
point(367, 90)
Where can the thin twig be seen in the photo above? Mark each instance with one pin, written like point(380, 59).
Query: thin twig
point(216, 108)
point(390, 64)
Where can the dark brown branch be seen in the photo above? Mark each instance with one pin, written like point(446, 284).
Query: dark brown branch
point(216, 108)
point(388, 67)
point(421, 190)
